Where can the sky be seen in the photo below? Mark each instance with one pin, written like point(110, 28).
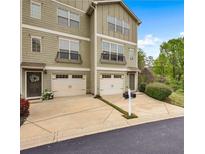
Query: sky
point(161, 20)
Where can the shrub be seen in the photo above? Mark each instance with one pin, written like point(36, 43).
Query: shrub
point(158, 91)
point(47, 95)
point(142, 87)
point(24, 107)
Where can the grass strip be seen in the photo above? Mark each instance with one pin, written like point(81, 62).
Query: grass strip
point(125, 113)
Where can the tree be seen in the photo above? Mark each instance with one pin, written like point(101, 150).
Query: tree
point(141, 59)
point(173, 50)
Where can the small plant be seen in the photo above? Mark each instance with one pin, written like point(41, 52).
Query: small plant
point(158, 91)
point(47, 95)
point(24, 107)
point(142, 87)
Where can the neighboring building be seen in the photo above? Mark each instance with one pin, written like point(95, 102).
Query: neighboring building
point(74, 47)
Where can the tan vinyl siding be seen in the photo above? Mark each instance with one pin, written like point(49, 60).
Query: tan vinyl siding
point(49, 19)
point(116, 10)
point(49, 48)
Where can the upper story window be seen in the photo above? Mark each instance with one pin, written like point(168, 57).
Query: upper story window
point(69, 49)
point(117, 25)
point(36, 44)
point(109, 47)
point(35, 10)
point(131, 54)
point(67, 18)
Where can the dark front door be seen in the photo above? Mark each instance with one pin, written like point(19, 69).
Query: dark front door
point(34, 84)
point(132, 81)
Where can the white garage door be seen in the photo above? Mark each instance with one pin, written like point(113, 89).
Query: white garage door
point(111, 84)
point(68, 85)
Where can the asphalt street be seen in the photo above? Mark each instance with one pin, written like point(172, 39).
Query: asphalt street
point(162, 137)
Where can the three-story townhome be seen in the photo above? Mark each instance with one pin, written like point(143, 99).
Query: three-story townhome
point(75, 47)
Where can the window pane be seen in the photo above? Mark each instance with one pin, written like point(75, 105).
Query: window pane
point(114, 48)
point(36, 45)
point(119, 29)
point(75, 17)
point(131, 54)
point(105, 46)
point(62, 21)
point(126, 31)
point(74, 46)
point(63, 13)
point(64, 44)
point(74, 24)
point(111, 19)
point(120, 49)
point(35, 10)
point(111, 27)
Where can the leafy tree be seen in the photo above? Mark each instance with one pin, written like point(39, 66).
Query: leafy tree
point(173, 50)
point(141, 59)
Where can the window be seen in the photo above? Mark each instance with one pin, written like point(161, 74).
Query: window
point(111, 23)
point(126, 28)
point(36, 10)
point(77, 76)
point(117, 76)
point(67, 18)
point(117, 25)
point(131, 54)
point(69, 49)
point(106, 76)
point(74, 20)
point(61, 76)
point(63, 17)
point(36, 44)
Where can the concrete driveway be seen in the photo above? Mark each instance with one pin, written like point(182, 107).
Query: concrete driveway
point(69, 117)
point(145, 106)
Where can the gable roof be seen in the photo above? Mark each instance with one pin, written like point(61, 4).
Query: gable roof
point(96, 2)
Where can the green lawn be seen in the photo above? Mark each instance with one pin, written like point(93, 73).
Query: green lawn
point(177, 98)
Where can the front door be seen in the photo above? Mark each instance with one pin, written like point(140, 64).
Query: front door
point(132, 81)
point(34, 80)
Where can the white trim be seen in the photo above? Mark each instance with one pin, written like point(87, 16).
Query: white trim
point(55, 32)
point(66, 68)
point(36, 37)
point(37, 3)
point(26, 85)
point(68, 6)
point(114, 69)
point(32, 67)
point(115, 39)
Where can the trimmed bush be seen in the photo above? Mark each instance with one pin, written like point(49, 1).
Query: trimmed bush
point(24, 107)
point(142, 87)
point(158, 91)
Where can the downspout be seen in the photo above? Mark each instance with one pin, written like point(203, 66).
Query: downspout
point(95, 50)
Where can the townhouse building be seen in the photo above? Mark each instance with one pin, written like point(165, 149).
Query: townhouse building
point(77, 47)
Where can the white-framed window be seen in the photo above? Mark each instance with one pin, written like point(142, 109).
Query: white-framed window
point(117, 25)
point(112, 47)
point(69, 49)
point(35, 44)
point(131, 54)
point(67, 18)
point(35, 10)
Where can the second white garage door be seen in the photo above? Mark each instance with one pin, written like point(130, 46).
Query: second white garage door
point(111, 84)
point(68, 85)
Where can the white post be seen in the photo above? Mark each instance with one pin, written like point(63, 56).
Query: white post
point(129, 102)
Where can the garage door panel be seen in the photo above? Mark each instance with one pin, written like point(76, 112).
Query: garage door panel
point(68, 87)
point(110, 86)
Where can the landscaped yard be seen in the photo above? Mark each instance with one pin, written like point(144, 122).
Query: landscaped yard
point(177, 98)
